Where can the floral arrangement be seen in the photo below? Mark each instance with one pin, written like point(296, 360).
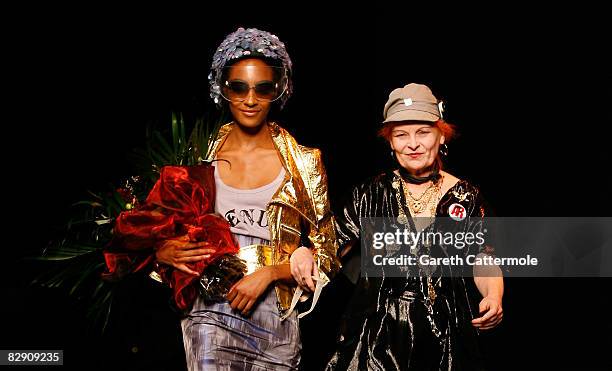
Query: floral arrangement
point(116, 233)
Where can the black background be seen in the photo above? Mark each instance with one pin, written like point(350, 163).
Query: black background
point(528, 91)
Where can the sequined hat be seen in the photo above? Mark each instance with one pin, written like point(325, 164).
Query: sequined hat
point(248, 43)
point(413, 102)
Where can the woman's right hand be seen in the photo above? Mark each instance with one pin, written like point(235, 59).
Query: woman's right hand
point(177, 252)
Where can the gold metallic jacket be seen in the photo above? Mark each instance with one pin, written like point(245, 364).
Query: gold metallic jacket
point(299, 210)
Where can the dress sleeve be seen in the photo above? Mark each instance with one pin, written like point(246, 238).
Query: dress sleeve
point(347, 223)
point(479, 213)
point(481, 217)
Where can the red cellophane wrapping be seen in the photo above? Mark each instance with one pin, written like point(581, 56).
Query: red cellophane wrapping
point(180, 206)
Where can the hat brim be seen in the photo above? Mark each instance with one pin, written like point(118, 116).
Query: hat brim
point(412, 115)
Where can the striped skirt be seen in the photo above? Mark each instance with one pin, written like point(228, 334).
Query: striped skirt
point(216, 337)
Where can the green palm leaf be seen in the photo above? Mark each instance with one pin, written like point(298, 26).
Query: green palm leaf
point(75, 261)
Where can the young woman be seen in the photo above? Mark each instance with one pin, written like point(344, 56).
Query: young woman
point(273, 193)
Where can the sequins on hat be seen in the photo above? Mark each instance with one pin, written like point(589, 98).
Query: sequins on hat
point(244, 43)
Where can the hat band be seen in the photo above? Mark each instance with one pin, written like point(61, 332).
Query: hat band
point(400, 106)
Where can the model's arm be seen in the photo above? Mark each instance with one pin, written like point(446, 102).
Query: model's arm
point(244, 294)
point(323, 237)
point(178, 252)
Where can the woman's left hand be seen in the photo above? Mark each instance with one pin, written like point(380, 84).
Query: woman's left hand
point(244, 294)
point(492, 313)
point(303, 268)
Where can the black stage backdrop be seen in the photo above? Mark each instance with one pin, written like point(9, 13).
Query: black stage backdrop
point(526, 90)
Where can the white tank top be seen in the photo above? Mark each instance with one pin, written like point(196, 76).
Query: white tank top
point(245, 209)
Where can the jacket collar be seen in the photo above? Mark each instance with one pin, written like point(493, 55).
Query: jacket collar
point(293, 191)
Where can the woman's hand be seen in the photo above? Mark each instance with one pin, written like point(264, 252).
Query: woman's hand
point(244, 293)
point(303, 267)
point(491, 310)
point(179, 251)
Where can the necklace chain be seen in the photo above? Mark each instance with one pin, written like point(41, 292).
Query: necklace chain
point(418, 205)
point(403, 219)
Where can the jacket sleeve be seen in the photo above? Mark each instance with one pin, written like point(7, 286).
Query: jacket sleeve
point(323, 235)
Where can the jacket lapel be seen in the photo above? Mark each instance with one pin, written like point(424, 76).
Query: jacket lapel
point(293, 191)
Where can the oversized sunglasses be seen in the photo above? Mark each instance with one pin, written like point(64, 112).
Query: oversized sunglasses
point(267, 91)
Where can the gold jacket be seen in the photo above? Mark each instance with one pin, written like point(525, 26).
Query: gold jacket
point(299, 210)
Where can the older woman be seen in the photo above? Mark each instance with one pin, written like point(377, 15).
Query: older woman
point(273, 193)
point(421, 321)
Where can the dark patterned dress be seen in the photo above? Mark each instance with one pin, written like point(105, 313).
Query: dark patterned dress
point(387, 325)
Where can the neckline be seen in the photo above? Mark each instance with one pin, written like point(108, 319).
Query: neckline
point(445, 194)
point(262, 188)
point(404, 206)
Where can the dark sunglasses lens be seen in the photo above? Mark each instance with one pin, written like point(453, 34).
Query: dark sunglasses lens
point(266, 90)
point(238, 88)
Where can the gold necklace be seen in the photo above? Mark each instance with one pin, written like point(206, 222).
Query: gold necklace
point(403, 219)
point(418, 205)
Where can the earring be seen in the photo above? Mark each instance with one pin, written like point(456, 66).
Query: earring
point(443, 149)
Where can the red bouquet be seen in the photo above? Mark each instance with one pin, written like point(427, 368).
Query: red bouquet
point(180, 205)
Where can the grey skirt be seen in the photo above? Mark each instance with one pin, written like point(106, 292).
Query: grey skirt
point(216, 337)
